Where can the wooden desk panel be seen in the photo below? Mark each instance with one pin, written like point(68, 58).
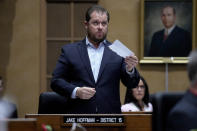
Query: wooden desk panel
point(20, 124)
point(133, 121)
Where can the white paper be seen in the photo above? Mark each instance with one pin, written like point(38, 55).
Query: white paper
point(120, 49)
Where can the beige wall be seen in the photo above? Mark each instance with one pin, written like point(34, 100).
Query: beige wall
point(20, 49)
point(20, 54)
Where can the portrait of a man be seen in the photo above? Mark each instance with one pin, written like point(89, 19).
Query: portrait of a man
point(173, 37)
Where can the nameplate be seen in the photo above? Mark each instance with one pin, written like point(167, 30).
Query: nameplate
point(94, 119)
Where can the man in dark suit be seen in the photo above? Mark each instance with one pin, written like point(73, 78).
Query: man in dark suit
point(89, 73)
point(172, 41)
point(182, 117)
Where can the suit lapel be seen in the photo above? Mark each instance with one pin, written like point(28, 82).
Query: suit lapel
point(85, 58)
point(173, 34)
point(105, 60)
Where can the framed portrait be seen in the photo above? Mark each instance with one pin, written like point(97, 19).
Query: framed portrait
point(167, 30)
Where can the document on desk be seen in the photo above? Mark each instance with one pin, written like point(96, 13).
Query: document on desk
point(120, 49)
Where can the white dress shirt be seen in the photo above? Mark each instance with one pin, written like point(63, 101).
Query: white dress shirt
point(169, 31)
point(131, 107)
point(95, 56)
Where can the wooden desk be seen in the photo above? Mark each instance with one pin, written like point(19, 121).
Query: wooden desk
point(132, 121)
point(20, 124)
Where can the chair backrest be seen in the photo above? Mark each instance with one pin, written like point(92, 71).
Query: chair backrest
point(162, 104)
point(14, 113)
point(52, 103)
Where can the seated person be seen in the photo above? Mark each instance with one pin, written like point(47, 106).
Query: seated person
point(137, 99)
point(182, 116)
point(7, 109)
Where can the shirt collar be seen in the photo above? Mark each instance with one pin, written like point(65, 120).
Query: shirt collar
point(170, 29)
point(88, 43)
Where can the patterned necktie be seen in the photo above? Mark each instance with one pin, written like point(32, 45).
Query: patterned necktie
point(165, 35)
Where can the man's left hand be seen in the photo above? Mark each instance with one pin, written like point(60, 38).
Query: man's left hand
point(131, 62)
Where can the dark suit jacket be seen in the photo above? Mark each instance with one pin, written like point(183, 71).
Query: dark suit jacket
point(177, 44)
point(73, 69)
point(183, 116)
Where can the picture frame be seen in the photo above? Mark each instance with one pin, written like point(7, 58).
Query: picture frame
point(155, 15)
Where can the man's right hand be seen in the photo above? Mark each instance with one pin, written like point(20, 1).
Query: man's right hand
point(85, 92)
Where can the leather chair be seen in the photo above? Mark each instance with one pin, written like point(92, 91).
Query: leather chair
point(162, 103)
point(14, 113)
point(52, 103)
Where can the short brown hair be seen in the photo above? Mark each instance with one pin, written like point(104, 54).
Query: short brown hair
point(96, 8)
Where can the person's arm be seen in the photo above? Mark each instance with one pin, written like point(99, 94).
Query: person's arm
point(73, 95)
point(131, 62)
point(85, 92)
point(60, 77)
point(60, 82)
point(130, 76)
